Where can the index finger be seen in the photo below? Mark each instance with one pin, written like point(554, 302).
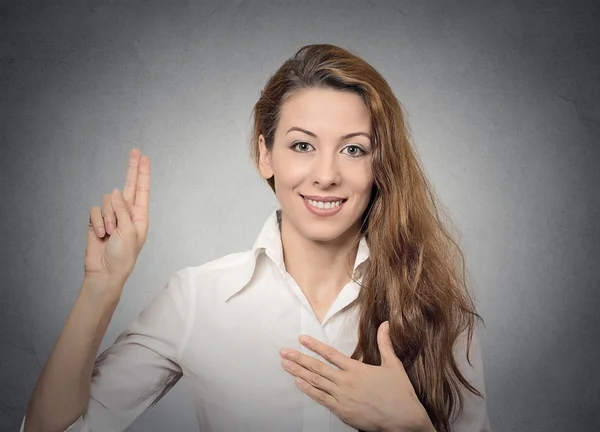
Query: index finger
point(327, 352)
point(142, 193)
point(132, 177)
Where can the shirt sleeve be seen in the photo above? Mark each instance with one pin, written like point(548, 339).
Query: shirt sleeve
point(474, 417)
point(141, 366)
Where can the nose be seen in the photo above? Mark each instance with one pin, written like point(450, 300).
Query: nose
point(325, 171)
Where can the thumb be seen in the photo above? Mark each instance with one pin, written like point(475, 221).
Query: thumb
point(388, 356)
point(121, 210)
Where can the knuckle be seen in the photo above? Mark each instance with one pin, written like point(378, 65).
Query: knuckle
point(315, 379)
point(320, 395)
point(329, 355)
point(315, 367)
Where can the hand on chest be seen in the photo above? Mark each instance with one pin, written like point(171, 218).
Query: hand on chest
point(237, 362)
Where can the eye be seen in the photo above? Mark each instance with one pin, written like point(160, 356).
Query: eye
point(301, 146)
point(354, 151)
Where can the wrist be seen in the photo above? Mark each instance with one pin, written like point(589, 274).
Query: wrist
point(105, 292)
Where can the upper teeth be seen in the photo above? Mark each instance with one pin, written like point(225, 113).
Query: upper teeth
point(324, 205)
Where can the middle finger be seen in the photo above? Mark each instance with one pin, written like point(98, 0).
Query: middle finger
point(132, 176)
point(312, 364)
point(314, 379)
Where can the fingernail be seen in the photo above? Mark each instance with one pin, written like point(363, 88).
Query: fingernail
point(110, 227)
point(100, 231)
point(285, 352)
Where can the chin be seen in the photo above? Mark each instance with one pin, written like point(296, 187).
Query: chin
point(322, 235)
point(322, 231)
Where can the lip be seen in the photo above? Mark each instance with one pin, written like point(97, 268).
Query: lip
point(324, 212)
point(324, 199)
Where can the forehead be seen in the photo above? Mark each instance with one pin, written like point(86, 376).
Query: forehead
point(325, 111)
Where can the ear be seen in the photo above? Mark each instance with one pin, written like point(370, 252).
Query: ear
point(264, 163)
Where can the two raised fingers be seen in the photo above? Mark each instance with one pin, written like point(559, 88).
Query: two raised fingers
point(136, 192)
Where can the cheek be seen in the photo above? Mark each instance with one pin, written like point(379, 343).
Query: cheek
point(361, 180)
point(289, 172)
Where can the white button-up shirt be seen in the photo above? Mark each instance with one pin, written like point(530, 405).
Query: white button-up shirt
point(221, 325)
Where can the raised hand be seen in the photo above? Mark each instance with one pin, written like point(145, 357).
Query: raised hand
point(115, 239)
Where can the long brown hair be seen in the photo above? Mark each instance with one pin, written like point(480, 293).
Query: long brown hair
point(415, 276)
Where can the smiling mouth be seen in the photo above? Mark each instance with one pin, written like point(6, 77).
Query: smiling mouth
point(324, 205)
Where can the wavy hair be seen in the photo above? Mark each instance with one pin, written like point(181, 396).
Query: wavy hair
point(415, 276)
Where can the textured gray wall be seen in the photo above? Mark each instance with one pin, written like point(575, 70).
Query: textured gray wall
point(503, 98)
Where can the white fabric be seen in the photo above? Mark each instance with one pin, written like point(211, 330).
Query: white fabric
point(221, 325)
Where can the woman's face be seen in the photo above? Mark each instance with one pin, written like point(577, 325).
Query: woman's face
point(328, 160)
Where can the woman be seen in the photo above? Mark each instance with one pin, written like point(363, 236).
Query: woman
point(357, 257)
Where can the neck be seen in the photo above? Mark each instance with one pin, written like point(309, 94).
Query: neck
point(321, 269)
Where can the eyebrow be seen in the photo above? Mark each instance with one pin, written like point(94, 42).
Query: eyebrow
point(350, 135)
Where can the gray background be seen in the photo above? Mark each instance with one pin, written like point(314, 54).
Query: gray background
point(503, 99)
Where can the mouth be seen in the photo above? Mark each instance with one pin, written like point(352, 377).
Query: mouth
point(325, 202)
point(324, 206)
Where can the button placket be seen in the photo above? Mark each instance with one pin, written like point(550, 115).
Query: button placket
point(316, 417)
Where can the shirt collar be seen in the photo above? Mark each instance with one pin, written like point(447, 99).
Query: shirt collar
point(269, 243)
